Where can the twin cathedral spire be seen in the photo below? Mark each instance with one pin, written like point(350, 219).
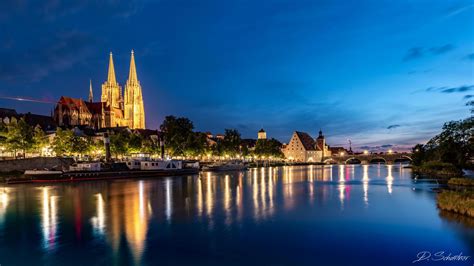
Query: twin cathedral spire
point(125, 109)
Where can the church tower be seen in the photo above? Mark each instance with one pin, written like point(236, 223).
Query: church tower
point(111, 90)
point(133, 104)
point(91, 94)
point(112, 97)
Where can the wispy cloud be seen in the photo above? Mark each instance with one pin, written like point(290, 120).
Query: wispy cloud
point(393, 126)
point(466, 97)
point(458, 10)
point(463, 88)
point(469, 56)
point(441, 49)
point(419, 52)
point(413, 53)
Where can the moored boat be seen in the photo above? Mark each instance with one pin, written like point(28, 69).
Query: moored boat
point(229, 166)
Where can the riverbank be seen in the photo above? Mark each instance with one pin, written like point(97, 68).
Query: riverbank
point(460, 202)
point(437, 169)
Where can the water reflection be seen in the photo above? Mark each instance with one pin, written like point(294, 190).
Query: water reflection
point(3, 204)
point(131, 220)
point(98, 221)
point(365, 183)
point(389, 178)
point(49, 216)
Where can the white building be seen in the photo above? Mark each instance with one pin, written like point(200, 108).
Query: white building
point(303, 148)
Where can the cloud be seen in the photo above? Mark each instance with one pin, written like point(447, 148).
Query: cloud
point(441, 49)
point(463, 88)
point(413, 53)
point(57, 53)
point(458, 10)
point(466, 97)
point(393, 126)
point(376, 147)
point(419, 52)
point(470, 56)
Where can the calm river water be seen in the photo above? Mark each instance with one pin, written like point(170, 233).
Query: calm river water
point(295, 215)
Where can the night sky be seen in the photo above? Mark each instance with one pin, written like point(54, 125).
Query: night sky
point(381, 73)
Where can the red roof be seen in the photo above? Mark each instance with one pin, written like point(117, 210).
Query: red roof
point(307, 140)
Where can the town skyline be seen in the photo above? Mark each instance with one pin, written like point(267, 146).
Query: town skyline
point(283, 79)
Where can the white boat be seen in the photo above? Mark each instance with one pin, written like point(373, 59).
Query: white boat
point(88, 167)
point(49, 173)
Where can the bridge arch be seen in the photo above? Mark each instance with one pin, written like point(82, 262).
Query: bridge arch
point(377, 160)
point(403, 158)
point(353, 160)
point(330, 161)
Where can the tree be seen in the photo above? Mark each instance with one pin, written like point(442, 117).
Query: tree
point(135, 143)
point(232, 142)
point(62, 142)
point(268, 148)
point(119, 144)
point(453, 145)
point(19, 136)
point(40, 140)
point(178, 135)
point(196, 145)
point(3, 134)
point(80, 145)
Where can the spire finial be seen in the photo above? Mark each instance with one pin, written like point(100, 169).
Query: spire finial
point(132, 76)
point(91, 95)
point(111, 74)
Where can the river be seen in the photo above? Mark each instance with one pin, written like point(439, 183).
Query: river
point(292, 215)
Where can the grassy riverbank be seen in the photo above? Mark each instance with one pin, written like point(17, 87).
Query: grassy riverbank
point(461, 202)
point(437, 169)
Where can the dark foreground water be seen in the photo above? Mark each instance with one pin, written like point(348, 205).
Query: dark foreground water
point(308, 215)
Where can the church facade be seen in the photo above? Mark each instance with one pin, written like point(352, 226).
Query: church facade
point(115, 109)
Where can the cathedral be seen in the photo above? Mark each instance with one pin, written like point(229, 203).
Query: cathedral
point(115, 109)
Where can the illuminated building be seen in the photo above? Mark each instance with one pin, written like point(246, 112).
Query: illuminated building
point(114, 108)
point(303, 148)
point(262, 134)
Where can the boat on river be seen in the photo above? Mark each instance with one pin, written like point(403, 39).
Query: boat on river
point(228, 166)
point(106, 172)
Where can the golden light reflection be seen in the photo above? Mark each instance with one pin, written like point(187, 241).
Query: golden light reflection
point(389, 178)
point(3, 204)
point(98, 221)
point(209, 195)
point(49, 218)
point(256, 206)
point(227, 199)
point(199, 201)
point(168, 201)
point(136, 220)
point(365, 183)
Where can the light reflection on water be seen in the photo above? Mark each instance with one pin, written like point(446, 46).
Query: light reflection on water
point(109, 220)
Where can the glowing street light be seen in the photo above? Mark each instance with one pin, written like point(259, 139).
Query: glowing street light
point(366, 152)
point(390, 151)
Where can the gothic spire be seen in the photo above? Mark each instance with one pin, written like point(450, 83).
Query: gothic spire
point(132, 76)
point(91, 95)
point(111, 74)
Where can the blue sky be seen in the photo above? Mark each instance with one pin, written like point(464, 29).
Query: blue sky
point(380, 73)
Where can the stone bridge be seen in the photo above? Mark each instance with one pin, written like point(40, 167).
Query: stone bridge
point(388, 158)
